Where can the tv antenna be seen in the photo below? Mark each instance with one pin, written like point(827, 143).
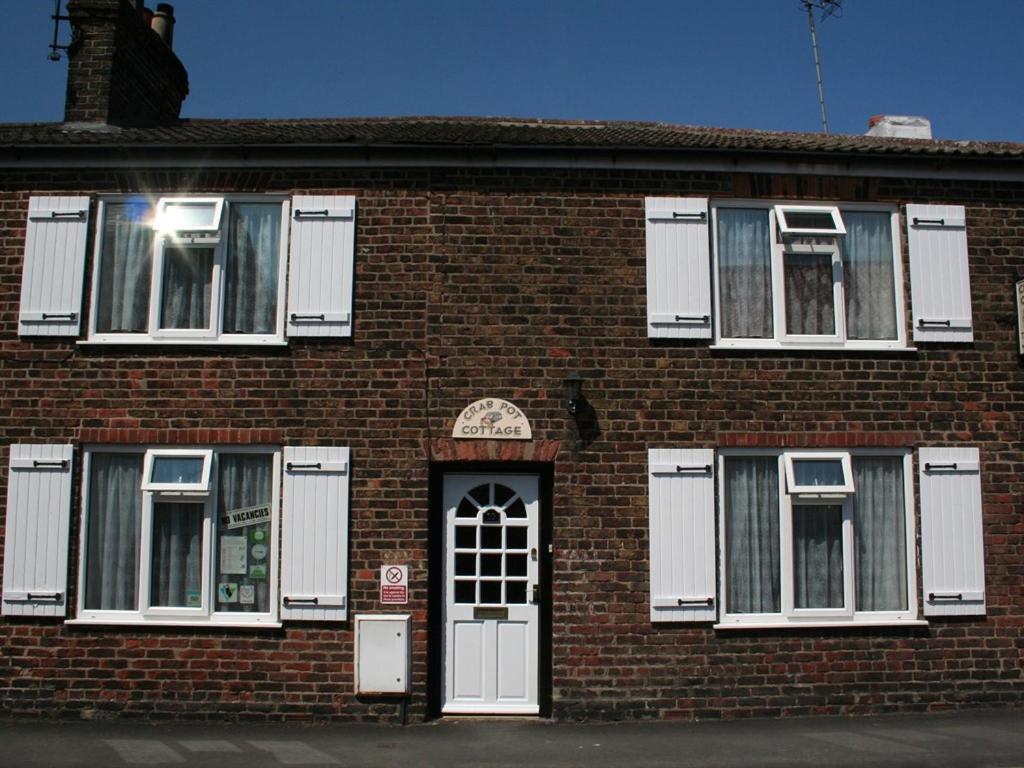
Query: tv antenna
point(55, 47)
point(827, 8)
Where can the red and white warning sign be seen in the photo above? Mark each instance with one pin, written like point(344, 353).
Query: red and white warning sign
point(394, 584)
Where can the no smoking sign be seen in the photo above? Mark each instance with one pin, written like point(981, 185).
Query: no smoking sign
point(394, 584)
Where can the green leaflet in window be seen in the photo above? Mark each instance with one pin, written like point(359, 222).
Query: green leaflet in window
point(257, 571)
point(258, 535)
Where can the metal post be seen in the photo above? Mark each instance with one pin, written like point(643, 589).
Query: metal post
point(817, 63)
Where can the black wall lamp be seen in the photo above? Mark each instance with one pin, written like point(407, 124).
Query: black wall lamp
point(573, 393)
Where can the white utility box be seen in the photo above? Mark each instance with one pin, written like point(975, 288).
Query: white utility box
point(382, 653)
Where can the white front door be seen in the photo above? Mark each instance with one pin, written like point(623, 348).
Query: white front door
point(491, 581)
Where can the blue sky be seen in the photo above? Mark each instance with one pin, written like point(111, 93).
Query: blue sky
point(728, 63)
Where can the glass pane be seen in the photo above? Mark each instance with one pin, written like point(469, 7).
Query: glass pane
point(515, 592)
point(516, 509)
point(515, 565)
point(482, 495)
point(502, 494)
point(516, 537)
point(177, 551)
point(466, 509)
point(490, 565)
point(177, 469)
point(814, 472)
point(490, 591)
point(818, 556)
point(490, 538)
point(187, 286)
point(126, 264)
point(879, 525)
point(810, 306)
point(809, 220)
point(465, 537)
point(188, 216)
point(250, 289)
point(243, 552)
point(752, 534)
point(465, 592)
point(745, 273)
point(465, 565)
point(114, 526)
point(868, 275)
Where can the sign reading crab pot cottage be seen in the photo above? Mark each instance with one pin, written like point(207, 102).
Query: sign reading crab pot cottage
point(492, 419)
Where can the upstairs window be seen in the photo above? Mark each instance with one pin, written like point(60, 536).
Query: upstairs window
point(189, 269)
point(791, 275)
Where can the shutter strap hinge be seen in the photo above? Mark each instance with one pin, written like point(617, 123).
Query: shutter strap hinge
point(693, 468)
point(933, 596)
point(933, 222)
point(708, 601)
point(291, 466)
point(699, 215)
point(61, 463)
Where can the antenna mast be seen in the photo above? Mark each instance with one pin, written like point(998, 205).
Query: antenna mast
point(827, 8)
point(55, 48)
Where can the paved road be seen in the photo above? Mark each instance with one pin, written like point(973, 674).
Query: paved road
point(973, 739)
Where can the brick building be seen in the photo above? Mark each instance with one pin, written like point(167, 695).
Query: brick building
point(662, 421)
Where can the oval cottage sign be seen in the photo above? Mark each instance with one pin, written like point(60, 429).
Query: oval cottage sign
point(492, 419)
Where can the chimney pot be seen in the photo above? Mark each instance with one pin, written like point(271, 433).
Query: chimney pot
point(163, 23)
point(900, 127)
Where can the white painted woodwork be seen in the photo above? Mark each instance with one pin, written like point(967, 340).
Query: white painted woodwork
point(952, 546)
point(321, 264)
point(491, 663)
point(37, 530)
point(54, 266)
point(382, 653)
point(678, 268)
point(314, 545)
point(682, 534)
point(940, 284)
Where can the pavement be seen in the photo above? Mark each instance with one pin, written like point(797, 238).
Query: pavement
point(973, 738)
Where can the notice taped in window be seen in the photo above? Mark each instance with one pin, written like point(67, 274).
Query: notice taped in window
point(245, 516)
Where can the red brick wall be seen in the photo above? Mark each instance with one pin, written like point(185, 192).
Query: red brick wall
point(474, 282)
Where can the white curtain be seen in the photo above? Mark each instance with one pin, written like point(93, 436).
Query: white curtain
point(187, 287)
point(744, 260)
point(868, 275)
point(115, 521)
point(250, 294)
point(176, 566)
point(879, 528)
point(752, 534)
point(810, 305)
point(244, 480)
point(818, 556)
point(125, 268)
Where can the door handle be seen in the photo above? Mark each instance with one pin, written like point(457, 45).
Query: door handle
point(535, 598)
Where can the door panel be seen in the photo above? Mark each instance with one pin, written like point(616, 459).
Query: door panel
point(491, 568)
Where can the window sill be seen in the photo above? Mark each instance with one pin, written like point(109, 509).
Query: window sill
point(777, 347)
point(148, 342)
point(173, 623)
point(821, 624)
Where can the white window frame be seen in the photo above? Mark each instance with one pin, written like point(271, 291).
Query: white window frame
point(201, 239)
point(838, 227)
point(187, 234)
point(206, 614)
point(789, 616)
point(790, 243)
point(826, 491)
point(199, 488)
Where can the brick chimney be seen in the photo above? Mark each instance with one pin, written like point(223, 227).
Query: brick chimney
point(121, 71)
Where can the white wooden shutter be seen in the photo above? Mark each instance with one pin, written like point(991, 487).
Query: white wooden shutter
point(314, 550)
point(36, 540)
point(940, 286)
point(678, 268)
point(54, 266)
point(952, 551)
point(320, 266)
point(682, 534)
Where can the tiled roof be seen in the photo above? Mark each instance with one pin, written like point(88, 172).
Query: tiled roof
point(469, 132)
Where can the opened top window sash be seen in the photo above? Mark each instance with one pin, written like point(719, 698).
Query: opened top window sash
point(818, 473)
point(178, 215)
point(177, 470)
point(809, 220)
